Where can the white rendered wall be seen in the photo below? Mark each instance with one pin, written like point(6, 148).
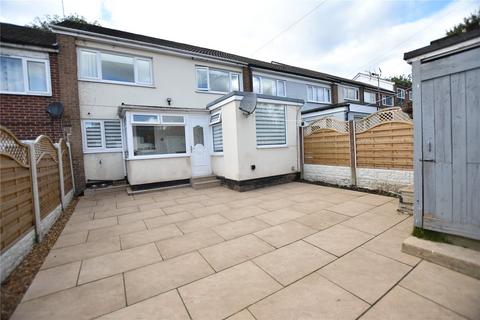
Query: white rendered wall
point(158, 170)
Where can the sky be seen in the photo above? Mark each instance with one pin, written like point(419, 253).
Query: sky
point(333, 36)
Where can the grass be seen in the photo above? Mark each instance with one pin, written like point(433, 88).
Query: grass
point(429, 235)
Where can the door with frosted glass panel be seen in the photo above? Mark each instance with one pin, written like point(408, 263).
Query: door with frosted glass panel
point(200, 150)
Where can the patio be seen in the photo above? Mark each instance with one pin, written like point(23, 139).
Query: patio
point(293, 251)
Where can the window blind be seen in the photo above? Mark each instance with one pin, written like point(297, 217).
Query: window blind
point(270, 125)
point(217, 134)
point(93, 134)
point(113, 134)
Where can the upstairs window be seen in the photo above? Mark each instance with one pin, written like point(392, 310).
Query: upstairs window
point(117, 68)
point(102, 135)
point(217, 80)
point(269, 86)
point(318, 94)
point(270, 124)
point(350, 93)
point(400, 93)
point(387, 101)
point(370, 97)
point(21, 75)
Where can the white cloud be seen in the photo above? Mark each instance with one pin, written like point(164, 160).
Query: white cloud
point(340, 37)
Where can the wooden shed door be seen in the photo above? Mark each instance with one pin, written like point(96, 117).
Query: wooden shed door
point(450, 110)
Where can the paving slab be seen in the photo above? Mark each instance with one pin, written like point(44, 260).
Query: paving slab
point(401, 304)
point(294, 261)
point(100, 214)
point(311, 298)
point(197, 224)
point(161, 277)
point(79, 252)
point(147, 236)
point(280, 216)
point(313, 206)
point(285, 233)
point(338, 239)
point(115, 231)
point(350, 208)
point(366, 274)
point(173, 247)
point(275, 204)
point(242, 315)
point(448, 288)
point(374, 223)
point(82, 303)
point(140, 215)
point(374, 199)
point(240, 228)
point(208, 210)
point(89, 225)
point(182, 208)
point(165, 306)
point(322, 219)
point(232, 252)
point(118, 262)
point(152, 223)
point(53, 280)
point(243, 212)
point(71, 239)
point(227, 292)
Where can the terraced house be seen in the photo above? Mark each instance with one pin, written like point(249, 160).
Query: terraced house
point(158, 112)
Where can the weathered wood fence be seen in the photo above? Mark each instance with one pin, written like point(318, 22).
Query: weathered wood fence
point(375, 152)
point(36, 185)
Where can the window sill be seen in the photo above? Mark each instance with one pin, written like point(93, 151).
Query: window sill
point(159, 156)
point(40, 94)
point(217, 154)
point(119, 83)
point(346, 99)
point(318, 102)
point(102, 151)
point(211, 92)
point(273, 146)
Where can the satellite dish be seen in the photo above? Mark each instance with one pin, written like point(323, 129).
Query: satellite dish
point(249, 102)
point(55, 110)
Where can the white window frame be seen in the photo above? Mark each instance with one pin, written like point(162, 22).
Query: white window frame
point(103, 148)
point(401, 93)
point(357, 93)
point(410, 95)
point(384, 100)
point(277, 82)
point(272, 146)
point(320, 87)
point(374, 97)
point(27, 91)
point(230, 73)
point(99, 77)
point(129, 134)
point(212, 122)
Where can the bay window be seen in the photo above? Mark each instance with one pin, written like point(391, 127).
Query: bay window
point(269, 86)
point(113, 67)
point(318, 94)
point(217, 80)
point(102, 135)
point(158, 135)
point(22, 75)
point(270, 125)
point(350, 93)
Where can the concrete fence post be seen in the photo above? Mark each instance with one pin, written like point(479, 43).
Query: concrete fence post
point(302, 152)
point(353, 152)
point(71, 166)
point(60, 174)
point(35, 194)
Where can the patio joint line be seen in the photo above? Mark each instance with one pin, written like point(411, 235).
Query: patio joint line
point(183, 302)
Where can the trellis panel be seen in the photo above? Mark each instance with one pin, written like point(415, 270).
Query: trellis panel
point(17, 215)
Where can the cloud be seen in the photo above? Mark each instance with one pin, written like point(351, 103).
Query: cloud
point(340, 37)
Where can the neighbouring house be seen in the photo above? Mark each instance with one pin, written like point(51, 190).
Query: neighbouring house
point(144, 115)
point(446, 114)
point(29, 81)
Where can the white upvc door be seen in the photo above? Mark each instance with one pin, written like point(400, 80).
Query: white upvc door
point(200, 146)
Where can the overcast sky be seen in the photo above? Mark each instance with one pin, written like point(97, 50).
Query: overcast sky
point(332, 36)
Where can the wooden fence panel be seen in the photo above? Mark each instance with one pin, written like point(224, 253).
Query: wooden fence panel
point(48, 175)
point(67, 172)
point(327, 147)
point(17, 215)
point(387, 146)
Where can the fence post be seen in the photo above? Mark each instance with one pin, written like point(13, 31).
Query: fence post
point(353, 152)
point(300, 133)
point(60, 174)
point(71, 165)
point(35, 194)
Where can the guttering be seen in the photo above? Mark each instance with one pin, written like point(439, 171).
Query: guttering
point(238, 95)
point(28, 47)
point(449, 50)
point(135, 44)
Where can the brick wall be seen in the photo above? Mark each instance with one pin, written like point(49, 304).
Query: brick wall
point(67, 66)
point(247, 79)
point(26, 116)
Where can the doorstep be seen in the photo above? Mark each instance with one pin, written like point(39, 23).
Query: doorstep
point(464, 260)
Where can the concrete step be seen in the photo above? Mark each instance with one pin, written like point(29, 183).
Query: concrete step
point(205, 182)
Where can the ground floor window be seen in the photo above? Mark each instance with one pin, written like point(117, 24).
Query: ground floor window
point(158, 140)
point(270, 123)
point(102, 135)
point(217, 134)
